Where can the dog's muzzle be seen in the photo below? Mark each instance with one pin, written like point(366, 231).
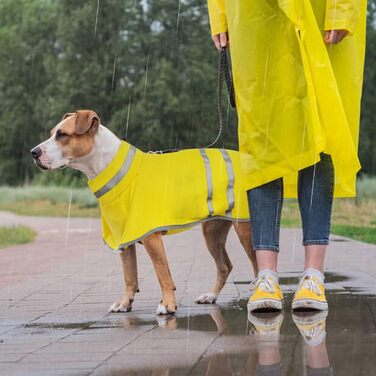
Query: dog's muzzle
point(36, 153)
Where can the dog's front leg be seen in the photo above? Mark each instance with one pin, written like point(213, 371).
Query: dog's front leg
point(129, 264)
point(154, 246)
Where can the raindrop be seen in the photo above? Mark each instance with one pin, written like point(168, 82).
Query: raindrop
point(146, 75)
point(96, 20)
point(333, 26)
point(313, 185)
point(128, 113)
point(228, 112)
point(264, 94)
point(293, 251)
point(68, 217)
point(113, 73)
point(178, 19)
point(304, 132)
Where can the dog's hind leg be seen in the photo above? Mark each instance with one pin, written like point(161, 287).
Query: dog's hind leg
point(154, 246)
point(215, 233)
point(244, 231)
point(129, 264)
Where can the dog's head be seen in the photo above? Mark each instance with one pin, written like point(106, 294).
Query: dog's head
point(72, 138)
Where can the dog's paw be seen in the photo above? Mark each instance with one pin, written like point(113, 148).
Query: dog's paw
point(208, 298)
point(121, 307)
point(163, 310)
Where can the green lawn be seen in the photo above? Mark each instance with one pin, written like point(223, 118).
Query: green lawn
point(353, 218)
point(45, 208)
point(356, 220)
point(364, 234)
point(16, 235)
point(49, 201)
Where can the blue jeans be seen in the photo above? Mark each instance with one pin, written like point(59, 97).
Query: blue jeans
point(315, 197)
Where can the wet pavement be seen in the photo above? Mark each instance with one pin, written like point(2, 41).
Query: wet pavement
point(55, 292)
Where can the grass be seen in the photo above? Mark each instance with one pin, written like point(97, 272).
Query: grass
point(365, 234)
point(45, 208)
point(350, 218)
point(366, 187)
point(355, 218)
point(16, 235)
point(53, 194)
point(50, 201)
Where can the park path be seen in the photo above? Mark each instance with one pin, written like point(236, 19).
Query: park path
point(55, 292)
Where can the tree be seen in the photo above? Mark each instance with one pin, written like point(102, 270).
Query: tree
point(148, 68)
point(25, 29)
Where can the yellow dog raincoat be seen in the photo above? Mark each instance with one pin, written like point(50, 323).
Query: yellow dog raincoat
point(295, 96)
point(141, 193)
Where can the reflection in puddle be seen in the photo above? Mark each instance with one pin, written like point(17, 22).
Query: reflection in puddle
point(57, 326)
point(224, 340)
point(341, 342)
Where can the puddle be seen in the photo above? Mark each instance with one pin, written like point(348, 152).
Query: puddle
point(347, 349)
point(59, 326)
point(222, 340)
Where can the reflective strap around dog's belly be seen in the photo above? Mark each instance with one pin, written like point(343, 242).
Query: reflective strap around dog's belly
point(231, 181)
point(119, 175)
point(209, 181)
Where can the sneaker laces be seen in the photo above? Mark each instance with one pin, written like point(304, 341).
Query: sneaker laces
point(309, 283)
point(264, 283)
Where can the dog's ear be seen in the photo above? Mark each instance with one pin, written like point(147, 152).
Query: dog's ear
point(67, 115)
point(86, 120)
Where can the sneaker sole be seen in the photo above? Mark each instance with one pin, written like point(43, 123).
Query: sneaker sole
point(265, 305)
point(309, 318)
point(309, 304)
point(265, 319)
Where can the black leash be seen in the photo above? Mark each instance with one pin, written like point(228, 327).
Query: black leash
point(224, 72)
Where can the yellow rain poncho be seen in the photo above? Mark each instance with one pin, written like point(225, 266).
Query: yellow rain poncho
point(295, 96)
point(141, 193)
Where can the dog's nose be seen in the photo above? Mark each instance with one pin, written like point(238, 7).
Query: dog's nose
point(36, 152)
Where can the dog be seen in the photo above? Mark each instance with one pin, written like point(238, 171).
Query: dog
point(189, 187)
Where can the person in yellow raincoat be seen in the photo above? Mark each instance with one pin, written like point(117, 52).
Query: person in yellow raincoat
point(298, 71)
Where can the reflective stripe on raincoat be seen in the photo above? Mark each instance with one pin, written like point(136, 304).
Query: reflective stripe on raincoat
point(142, 193)
point(295, 96)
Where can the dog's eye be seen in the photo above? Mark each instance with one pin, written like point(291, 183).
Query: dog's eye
point(61, 135)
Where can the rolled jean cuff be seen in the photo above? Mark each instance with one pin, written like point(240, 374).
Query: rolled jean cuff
point(316, 242)
point(325, 371)
point(269, 370)
point(265, 248)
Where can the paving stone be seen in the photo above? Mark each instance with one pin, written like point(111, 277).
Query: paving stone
point(54, 300)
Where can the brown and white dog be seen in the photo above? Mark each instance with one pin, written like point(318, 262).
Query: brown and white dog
point(79, 141)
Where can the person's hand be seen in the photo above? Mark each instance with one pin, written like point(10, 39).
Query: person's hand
point(220, 40)
point(335, 36)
